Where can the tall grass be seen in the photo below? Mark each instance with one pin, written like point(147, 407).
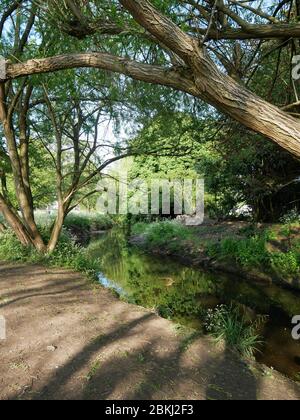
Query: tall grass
point(88, 221)
point(227, 324)
point(67, 254)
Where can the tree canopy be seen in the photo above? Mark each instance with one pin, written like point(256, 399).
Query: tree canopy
point(124, 62)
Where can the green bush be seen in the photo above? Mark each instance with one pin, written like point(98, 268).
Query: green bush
point(252, 253)
point(10, 247)
point(87, 222)
point(139, 228)
point(84, 222)
point(67, 254)
point(168, 234)
point(285, 264)
point(249, 252)
point(226, 324)
point(291, 217)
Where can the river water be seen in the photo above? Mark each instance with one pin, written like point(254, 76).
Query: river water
point(182, 294)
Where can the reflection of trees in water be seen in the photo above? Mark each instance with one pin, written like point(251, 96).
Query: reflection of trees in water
point(149, 281)
point(175, 289)
point(185, 294)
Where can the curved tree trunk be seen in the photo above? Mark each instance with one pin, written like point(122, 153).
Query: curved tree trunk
point(201, 79)
point(21, 177)
point(215, 87)
point(14, 222)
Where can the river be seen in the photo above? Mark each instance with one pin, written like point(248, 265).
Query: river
point(183, 293)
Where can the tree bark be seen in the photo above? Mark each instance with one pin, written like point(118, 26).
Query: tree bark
point(15, 223)
point(23, 192)
point(215, 87)
point(56, 231)
point(276, 31)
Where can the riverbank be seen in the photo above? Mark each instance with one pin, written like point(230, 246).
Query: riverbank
point(70, 339)
point(266, 253)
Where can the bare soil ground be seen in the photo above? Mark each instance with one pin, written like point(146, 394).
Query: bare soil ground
point(67, 339)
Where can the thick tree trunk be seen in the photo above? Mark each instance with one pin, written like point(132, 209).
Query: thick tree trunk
point(215, 87)
point(24, 200)
point(233, 99)
point(201, 79)
point(21, 176)
point(14, 222)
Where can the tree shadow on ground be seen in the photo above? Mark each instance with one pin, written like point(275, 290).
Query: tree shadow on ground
point(226, 386)
point(146, 373)
point(133, 355)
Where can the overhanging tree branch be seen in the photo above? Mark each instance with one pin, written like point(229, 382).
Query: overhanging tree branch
point(144, 72)
point(205, 81)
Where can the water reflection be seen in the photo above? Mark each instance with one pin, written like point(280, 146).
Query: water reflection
point(184, 294)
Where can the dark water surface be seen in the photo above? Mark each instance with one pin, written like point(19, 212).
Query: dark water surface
point(181, 293)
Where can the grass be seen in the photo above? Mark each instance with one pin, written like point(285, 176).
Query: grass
point(67, 254)
point(227, 324)
point(95, 366)
point(88, 222)
point(250, 252)
point(84, 222)
point(251, 249)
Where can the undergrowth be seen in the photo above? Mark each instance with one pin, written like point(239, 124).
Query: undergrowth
point(66, 255)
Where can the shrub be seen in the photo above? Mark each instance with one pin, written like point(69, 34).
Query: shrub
point(67, 254)
point(87, 222)
point(168, 234)
point(249, 252)
point(285, 264)
point(253, 253)
point(139, 228)
point(10, 247)
point(83, 222)
point(225, 323)
point(164, 233)
point(291, 217)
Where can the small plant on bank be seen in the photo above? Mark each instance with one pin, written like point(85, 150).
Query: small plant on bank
point(227, 324)
point(250, 252)
point(286, 264)
point(290, 221)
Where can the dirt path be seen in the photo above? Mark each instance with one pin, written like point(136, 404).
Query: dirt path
point(69, 340)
